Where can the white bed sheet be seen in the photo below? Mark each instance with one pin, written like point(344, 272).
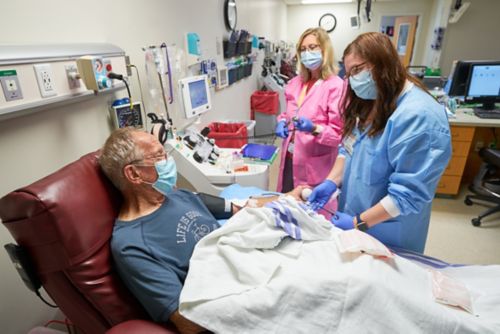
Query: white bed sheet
point(249, 277)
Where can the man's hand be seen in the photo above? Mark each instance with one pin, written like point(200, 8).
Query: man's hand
point(297, 193)
point(185, 326)
point(258, 201)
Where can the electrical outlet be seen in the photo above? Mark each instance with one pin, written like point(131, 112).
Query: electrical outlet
point(73, 76)
point(45, 80)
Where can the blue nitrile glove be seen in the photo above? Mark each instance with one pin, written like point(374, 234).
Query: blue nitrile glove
point(282, 129)
point(303, 124)
point(343, 220)
point(321, 194)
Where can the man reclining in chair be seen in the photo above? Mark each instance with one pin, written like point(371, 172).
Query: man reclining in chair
point(158, 226)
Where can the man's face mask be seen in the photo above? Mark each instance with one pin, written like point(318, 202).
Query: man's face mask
point(167, 176)
point(363, 85)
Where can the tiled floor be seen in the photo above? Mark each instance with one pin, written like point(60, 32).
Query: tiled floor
point(453, 238)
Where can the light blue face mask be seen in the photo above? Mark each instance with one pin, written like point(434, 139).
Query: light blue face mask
point(363, 85)
point(311, 59)
point(167, 176)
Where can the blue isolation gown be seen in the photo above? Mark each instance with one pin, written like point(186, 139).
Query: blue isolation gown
point(403, 163)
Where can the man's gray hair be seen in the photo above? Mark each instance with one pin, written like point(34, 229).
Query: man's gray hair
point(119, 150)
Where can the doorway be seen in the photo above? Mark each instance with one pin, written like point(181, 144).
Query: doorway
point(401, 30)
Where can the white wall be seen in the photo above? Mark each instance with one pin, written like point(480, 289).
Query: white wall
point(35, 145)
point(474, 36)
point(301, 17)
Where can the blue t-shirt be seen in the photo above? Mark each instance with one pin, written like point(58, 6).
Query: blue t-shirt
point(152, 253)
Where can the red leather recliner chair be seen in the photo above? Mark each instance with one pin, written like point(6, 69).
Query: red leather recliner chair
point(64, 222)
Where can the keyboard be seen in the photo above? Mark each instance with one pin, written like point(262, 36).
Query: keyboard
point(493, 114)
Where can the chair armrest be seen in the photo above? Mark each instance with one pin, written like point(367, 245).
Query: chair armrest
point(139, 327)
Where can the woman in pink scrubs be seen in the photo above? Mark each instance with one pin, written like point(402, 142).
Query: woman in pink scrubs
point(311, 127)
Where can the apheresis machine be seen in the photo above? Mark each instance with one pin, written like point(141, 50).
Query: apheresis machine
point(208, 168)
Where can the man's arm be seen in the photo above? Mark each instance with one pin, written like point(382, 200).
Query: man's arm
point(258, 201)
point(219, 207)
point(223, 208)
point(184, 325)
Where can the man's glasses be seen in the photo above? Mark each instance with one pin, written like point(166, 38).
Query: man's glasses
point(310, 47)
point(356, 69)
point(155, 158)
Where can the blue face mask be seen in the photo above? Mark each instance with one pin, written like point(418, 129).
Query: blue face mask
point(311, 59)
point(363, 85)
point(167, 176)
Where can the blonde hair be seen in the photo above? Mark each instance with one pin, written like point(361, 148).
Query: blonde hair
point(328, 67)
point(119, 150)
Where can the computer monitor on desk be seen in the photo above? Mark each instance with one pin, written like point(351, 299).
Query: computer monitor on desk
point(483, 86)
point(459, 76)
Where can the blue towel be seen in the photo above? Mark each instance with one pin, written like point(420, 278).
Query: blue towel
point(258, 151)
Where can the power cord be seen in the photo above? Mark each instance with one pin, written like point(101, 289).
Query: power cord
point(66, 322)
point(43, 300)
point(140, 91)
point(120, 77)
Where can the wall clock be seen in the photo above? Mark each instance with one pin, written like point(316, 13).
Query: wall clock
point(230, 14)
point(328, 22)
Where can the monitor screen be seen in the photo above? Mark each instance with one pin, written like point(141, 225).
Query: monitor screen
point(483, 84)
point(484, 81)
point(195, 94)
point(458, 78)
point(198, 93)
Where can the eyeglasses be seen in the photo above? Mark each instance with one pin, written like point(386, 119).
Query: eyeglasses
point(356, 69)
point(310, 47)
point(154, 157)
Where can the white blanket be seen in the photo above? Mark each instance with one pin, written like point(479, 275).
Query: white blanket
point(249, 277)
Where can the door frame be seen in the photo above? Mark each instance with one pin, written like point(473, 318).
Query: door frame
point(417, 31)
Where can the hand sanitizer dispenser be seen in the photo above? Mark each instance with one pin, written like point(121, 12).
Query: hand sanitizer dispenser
point(193, 48)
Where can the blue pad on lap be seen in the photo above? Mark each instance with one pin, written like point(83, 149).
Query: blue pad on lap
point(235, 191)
point(239, 192)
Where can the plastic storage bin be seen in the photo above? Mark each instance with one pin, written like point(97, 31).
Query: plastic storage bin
point(264, 101)
point(241, 72)
point(264, 109)
point(250, 124)
point(228, 135)
point(248, 69)
point(232, 75)
point(229, 49)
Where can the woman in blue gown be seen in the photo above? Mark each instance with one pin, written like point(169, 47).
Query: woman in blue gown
point(396, 145)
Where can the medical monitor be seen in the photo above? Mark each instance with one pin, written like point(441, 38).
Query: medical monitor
point(195, 94)
point(483, 85)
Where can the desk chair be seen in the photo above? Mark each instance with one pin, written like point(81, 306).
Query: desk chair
point(486, 187)
point(64, 223)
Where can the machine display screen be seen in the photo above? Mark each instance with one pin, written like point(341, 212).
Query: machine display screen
point(198, 93)
point(485, 80)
